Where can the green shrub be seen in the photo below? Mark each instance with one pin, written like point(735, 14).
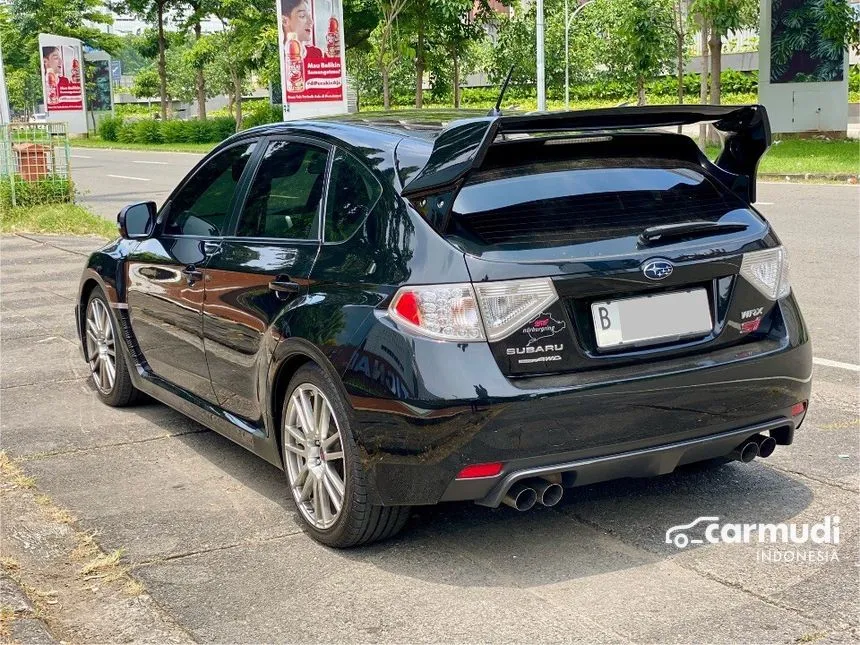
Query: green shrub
point(173, 131)
point(262, 113)
point(148, 131)
point(109, 127)
point(854, 78)
point(125, 133)
point(51, 190)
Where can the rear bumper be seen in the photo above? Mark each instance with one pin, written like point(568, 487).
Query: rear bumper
point(433, 408)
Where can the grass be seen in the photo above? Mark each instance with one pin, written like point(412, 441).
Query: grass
point(96, 142)
point(55, 219)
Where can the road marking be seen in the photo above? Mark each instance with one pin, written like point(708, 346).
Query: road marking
point(80, 157)
point(762, 203)
point(126, 177)
point(158, 163)
point(826, 362)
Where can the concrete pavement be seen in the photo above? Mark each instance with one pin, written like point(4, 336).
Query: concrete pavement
point(211, 533)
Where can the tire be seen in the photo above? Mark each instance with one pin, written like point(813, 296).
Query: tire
point(100, 331)
point(310, 458)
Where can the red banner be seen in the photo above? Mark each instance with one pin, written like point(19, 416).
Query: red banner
point(62, 73)
point(312, 53)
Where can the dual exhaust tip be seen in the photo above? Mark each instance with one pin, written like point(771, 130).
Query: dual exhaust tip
point(757, 446)
point(525, 494)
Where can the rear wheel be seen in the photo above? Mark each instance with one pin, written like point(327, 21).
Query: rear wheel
point(323, 468)
point(107, 364)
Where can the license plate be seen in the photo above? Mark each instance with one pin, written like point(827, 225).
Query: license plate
point(651, 319)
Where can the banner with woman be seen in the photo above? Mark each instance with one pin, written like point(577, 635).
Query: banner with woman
point(313, 70)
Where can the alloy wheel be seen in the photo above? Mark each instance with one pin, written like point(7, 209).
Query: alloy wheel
point(101, 348)
point(314, 456)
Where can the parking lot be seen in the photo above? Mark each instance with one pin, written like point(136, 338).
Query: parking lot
point(210, 532)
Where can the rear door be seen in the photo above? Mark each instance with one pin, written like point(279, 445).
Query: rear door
point(166, 285)
point(621, 298)
point(260, 273)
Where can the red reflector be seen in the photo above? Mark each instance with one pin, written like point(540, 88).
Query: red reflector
point(480, 470)
point(407, 307)
point(798, 408)
point(750, 326)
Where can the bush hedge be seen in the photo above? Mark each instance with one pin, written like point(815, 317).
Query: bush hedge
point(170, 131)
point(50, 190)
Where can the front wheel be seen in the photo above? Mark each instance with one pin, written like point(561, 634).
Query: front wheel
point(104, 355)
point(323, 467)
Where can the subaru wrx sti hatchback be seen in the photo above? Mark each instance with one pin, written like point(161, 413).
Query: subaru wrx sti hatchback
point(496, 310)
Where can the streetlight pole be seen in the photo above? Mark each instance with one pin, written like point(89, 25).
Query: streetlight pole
point(567, 23)
point(541, 76)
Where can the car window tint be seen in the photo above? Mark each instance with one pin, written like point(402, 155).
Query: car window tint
point(352, 193)
point(203, 204)
point(285, 196)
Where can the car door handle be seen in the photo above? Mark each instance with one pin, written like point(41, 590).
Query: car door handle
point(192, 274)
point(283, 286)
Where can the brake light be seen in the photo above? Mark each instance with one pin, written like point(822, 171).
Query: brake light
point(480, 470)
point(461, 312)
point(767, 271)
point(443, 312)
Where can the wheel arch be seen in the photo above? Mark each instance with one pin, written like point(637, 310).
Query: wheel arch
point(289, 357)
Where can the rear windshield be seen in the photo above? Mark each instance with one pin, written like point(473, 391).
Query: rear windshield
point(566, 202)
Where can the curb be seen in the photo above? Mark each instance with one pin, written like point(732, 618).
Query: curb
point(809, 176)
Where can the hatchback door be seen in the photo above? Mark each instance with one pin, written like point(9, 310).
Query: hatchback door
point(166, 272)
point(261, 270)
point(643, 251)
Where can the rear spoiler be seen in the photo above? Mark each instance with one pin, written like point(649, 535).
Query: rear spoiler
point(463, 145)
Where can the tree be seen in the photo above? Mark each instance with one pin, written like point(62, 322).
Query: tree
point(360, 18)
point(388, 44)
point(720, 17)
point(146, 83)
point(154, 11)
point(21, 21)
point(643, 40)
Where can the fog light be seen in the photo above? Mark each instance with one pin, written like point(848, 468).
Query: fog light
point(480, 470)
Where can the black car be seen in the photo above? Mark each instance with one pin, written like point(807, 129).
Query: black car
point(494, 310)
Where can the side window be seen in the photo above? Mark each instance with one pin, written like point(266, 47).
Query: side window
point(352, 193)
point(284, 198)
point(201, 207)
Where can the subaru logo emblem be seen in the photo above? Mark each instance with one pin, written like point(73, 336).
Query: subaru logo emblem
point(658, 269)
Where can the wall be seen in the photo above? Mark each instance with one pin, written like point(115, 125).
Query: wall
point(800, 107)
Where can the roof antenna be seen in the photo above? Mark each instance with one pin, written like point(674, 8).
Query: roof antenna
point(496, 110)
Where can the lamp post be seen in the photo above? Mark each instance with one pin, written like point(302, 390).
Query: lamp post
point(567, 49)
point(541, 77)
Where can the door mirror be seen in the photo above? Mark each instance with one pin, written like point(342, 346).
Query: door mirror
point(137, 221)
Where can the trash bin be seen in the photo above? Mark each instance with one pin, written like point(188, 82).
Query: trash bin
point(32, 160)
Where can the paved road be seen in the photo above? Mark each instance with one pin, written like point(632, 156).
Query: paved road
point(211, 533)
point(107, 180)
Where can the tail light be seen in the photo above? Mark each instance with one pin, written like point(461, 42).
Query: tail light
point(767, 271)
point(461, 312)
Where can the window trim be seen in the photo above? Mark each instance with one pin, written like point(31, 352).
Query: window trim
point(245, 189)
point(335, 150)
point(164, 212)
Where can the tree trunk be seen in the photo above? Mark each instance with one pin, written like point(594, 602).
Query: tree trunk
point(679, 50)
point(200, 80)
point(162, 64)
point(419, 68)
point(456, 59)
point(703, 85)
point(716, 65)
point(386, 96)
point(237, 91)
point(640, 90)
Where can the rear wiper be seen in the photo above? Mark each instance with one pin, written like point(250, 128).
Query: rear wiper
point(655, 234)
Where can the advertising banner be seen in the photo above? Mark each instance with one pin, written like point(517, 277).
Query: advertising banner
point(313, 69)
point(62, 77)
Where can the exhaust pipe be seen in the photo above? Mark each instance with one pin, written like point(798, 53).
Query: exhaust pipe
point(520, 496)
point(548, 493)
point(766, 445)
point(745, 452)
